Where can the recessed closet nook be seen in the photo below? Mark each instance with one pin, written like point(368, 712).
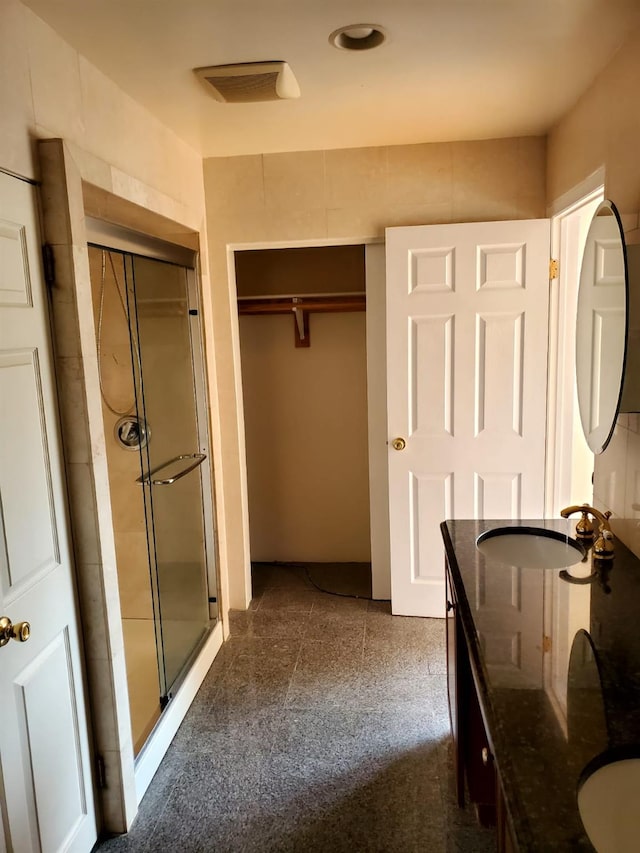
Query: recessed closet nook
point(304, 377)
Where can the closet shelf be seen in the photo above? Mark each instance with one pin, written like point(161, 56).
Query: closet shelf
point(312, 304)
point(300, 307)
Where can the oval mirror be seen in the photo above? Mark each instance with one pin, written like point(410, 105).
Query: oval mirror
point(602, 326)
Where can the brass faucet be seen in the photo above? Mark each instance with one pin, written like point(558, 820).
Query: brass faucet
point(603, 546)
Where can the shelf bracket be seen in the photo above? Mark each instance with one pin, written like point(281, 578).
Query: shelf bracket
point(301, 326)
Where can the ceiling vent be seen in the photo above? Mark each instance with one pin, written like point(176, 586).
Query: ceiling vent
point(247, 82)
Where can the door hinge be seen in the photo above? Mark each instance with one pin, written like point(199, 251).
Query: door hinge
point(48, 265)
point(101, 773)
point(553, 269)
point(546, 644)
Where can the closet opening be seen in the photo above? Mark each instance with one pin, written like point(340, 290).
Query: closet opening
point(302, 326)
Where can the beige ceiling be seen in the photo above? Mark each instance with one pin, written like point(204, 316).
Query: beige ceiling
point(450, 70)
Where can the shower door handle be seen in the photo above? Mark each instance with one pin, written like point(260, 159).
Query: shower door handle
point(196, 459)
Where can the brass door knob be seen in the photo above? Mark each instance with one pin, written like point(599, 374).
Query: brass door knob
point(21, 631)
point(398, 444)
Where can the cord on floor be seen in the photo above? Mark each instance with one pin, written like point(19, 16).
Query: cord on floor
point(312, 582)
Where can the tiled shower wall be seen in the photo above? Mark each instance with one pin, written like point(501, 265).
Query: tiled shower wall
point(617, 480)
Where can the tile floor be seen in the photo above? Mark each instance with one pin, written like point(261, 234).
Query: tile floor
point(321, 727)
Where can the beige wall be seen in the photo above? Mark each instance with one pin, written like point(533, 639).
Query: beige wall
point(306, 410)
point(306, 435)
point(342, 194)
point(47, 89)
point(603, 131)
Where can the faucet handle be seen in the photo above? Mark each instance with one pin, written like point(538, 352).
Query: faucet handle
point(603, 547)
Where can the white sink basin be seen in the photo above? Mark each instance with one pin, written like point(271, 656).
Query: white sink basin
point(608, 806)
point(530, 548)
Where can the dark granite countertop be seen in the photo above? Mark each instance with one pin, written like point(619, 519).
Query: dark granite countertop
point(557, 667)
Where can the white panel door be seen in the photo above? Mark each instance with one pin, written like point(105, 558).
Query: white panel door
point(467, 314)
point(46, 792)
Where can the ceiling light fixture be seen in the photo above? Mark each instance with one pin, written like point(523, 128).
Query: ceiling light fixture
point(358, 37)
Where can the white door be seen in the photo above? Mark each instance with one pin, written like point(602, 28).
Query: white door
point(46, 793)
point(467, 309)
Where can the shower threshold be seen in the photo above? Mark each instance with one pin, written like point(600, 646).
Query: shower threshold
point(152, 753)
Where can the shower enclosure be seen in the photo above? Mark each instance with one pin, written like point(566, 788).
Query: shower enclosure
point(151, 370)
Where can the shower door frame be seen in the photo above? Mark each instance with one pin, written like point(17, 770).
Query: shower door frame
point(76, 185)
point(108, 236)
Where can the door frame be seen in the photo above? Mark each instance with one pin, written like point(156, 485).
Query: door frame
point(569, 461)
point(376, 402)
point(109, 235)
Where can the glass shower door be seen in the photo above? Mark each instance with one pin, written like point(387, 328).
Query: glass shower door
point(172, 460)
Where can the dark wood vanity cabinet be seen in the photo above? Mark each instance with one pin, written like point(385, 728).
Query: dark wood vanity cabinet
point(543, 684)
point(475, 771)
point(455, 688)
